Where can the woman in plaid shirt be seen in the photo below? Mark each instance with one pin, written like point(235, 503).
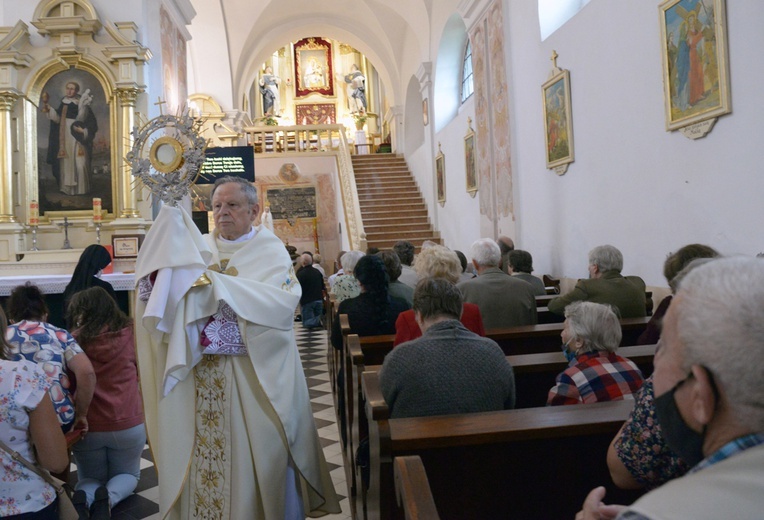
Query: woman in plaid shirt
point(591, 334)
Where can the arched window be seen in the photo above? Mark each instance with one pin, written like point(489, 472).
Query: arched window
point(467, 87)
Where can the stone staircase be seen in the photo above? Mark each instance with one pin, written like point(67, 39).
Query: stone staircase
point(391, 207)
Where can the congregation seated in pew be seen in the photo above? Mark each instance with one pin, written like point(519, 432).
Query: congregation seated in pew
point(448, 369)
point(606, 284)
point(590, 335)
point(437, 262)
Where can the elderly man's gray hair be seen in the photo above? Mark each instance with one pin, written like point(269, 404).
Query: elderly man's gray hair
point(594, 323)
point(486, 253)
point(247, 187)
point(719, 322)
point(606, 258)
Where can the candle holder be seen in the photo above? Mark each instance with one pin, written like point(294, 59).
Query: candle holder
point(34, 238)
point(98, 232)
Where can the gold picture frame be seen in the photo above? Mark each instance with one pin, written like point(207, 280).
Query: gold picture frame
point(313, 67)
point(470, 160)
point(695, 64)
point(558, 121)
point(440, 176)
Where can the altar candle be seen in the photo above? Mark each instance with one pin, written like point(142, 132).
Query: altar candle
point(34, 213)
point(97, 216)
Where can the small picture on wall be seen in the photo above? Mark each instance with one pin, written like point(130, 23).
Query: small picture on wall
point(470, 160)
point(558, 122)
point(440, 176)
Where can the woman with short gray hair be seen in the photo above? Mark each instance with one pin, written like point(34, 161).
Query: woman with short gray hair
point(346, 286)
point(591, 335)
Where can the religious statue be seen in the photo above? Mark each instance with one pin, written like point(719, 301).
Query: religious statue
point(267, 218)
point(356, 89)
point(269, 88)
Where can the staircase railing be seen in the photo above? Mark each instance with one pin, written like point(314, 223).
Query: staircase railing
point(317, 140)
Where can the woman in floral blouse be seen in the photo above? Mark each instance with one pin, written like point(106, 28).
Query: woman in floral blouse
point(27, 419)
point(56, 351)
point(346, 286)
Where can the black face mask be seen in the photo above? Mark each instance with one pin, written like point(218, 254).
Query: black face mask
point(683, 440)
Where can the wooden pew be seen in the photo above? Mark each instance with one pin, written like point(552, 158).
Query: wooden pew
point(412, 489)
point(333, 356)
point(530, 339)
point(531, 463)
point(535, 373)
point(542, 304)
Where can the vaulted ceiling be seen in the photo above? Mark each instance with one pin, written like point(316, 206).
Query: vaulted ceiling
point(388, 32)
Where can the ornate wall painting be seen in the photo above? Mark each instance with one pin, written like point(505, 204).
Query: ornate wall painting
point(440, 176)
point(558, 121)
point(695, 64)
point(313, 67)
point(73, 143)
point(315, 114)
point(470, 159)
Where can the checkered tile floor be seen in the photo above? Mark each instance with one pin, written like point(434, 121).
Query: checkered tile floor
point(312, 345)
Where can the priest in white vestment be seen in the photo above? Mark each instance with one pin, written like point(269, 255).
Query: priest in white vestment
point(227, 407)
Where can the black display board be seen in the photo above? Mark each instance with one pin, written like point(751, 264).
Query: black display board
point(291, 203)
point(238, 161)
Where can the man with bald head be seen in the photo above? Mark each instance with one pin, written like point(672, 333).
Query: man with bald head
point(709, 398)
point(311, 301)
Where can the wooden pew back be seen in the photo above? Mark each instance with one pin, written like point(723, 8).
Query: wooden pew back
point(531, 463)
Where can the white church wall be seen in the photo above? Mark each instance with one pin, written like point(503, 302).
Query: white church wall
point(633, 184)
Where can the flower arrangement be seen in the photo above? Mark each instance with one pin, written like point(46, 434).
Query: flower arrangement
point(360, 119)
point(270, 120)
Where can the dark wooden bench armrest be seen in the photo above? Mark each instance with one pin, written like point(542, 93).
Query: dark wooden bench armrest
point(376, 406)
point(412, 489)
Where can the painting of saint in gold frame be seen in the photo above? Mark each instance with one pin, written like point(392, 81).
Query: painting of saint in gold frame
point(694, 52)
point(313, 67)
point(558, 121)
point(440, 176)
point(73, 143)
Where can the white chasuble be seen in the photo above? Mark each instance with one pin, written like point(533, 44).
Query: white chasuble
point(225, 430)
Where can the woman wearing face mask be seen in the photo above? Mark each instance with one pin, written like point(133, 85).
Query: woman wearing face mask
point(639, 457)
point(92, 261)
point(591, 334)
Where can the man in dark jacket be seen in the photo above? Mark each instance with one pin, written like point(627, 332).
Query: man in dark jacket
point(606, 285)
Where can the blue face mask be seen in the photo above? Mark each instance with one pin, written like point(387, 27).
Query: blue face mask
point(569, 355)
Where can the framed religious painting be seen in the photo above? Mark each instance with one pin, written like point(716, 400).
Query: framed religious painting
point(73, 144)
point(313, 67)
point(695, 66)
point(558, 121)
point(440, 176)
point(470, 160)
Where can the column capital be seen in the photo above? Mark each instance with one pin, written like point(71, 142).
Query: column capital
point(7, 100)
point(128, 96)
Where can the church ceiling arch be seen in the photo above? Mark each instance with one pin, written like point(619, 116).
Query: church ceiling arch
point(384, 30)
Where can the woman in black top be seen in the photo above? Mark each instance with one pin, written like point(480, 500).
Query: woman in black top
point(92, 261)
point(374, 311)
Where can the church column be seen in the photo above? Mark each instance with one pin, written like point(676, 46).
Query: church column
point(128, 195)
point(7, 100)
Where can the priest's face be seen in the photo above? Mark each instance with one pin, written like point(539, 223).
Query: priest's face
point(232, 212)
